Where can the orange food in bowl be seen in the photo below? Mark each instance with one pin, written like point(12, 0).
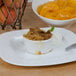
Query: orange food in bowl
point(58, 9)
point(72, 3)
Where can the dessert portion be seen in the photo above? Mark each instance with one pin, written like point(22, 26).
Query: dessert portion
point(38, 34)
point(41, 41)
point(58, 9)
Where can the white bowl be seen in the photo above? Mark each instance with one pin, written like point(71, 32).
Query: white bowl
point(43, 46)
point(35, 5)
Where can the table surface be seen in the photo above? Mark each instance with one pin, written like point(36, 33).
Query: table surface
point(31, 20)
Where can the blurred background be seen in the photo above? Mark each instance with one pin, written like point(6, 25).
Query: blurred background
point(30, 19)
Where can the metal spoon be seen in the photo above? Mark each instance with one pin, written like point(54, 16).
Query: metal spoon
point(70, 47)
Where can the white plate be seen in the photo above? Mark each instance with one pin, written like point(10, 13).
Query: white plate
point(13, 53)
